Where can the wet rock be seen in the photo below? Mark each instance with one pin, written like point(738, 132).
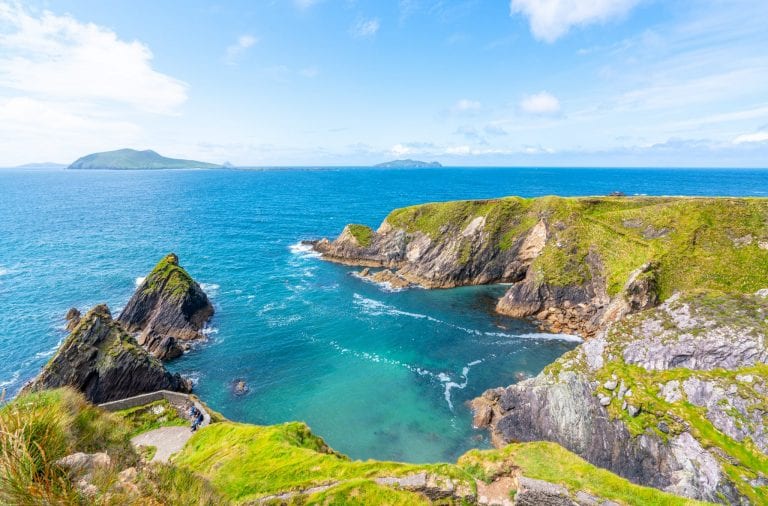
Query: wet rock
point(240, 387)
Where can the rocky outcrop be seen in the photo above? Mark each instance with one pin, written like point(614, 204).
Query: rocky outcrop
point(73, 318)
point(167, 311)
point(100, 359)
point(575, 265)
point(645, 398)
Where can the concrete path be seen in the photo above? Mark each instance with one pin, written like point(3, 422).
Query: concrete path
point(167, 440)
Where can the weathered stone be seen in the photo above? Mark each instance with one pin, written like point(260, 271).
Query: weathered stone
point(167, 310)
point(105, 363)
point(73, 318)
point(532, 492)
point(610, 385)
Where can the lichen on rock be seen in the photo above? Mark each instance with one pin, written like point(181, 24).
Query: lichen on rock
point(168, 310)
point(100, 359)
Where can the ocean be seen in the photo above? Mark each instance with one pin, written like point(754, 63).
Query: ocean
point(378, 374)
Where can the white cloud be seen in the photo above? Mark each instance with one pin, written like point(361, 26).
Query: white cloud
point(58, 57)
point(542, 103)
point(551, 19)
point(754, 137)
point(401, 150)
point(236, 50)
point(466, 105)
point(365, 28)
point(458, 150)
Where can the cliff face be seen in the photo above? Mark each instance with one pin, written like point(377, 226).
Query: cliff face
point(105, 363)
point(575, 264)
point(675, 398)
point(167, 310)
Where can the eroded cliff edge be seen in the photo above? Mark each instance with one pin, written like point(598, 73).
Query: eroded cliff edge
point(675, 398)
point(574, 264)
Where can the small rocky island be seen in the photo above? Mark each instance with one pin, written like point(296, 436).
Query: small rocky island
point(409, 164)
point(167, 311)
point(131, 159)
point(110, 359)
point(101, 360)
point(670, 387)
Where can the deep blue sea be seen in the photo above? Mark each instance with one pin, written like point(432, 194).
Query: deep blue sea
point(378, 374)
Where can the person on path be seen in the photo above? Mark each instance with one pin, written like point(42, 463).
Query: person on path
point(196, 416)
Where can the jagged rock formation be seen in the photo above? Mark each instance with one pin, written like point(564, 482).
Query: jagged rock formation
point(167, 311)
point(675, 398)
point(575, 264)
point(73, 318)
point(100, 359)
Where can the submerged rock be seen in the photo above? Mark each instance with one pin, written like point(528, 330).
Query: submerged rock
point(240, 387)
point(168, 310)
point(104, 362)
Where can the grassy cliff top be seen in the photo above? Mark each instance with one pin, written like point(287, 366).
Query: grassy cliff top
point(232, 463)
point(714, 243)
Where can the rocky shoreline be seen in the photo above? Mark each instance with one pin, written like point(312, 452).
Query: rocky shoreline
point(669, 388)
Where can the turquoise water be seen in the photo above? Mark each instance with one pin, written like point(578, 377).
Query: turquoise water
point(378, 374)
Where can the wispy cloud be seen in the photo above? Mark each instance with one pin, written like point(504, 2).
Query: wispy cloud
point(551, 19)
point(467, 105)
point(235, 51)
point(542, 103)
point(365, 28)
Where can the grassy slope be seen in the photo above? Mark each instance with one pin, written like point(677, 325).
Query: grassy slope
point(247, 461)
point(151, 416)
point(691, 239)
point(231, 463)
point(745, 312)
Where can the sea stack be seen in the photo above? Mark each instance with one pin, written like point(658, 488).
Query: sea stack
point(100, 359)
point(168, 310)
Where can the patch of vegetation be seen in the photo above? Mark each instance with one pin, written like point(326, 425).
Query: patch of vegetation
point(152, 416)
point(168, 277)
point(551, 462)
point(363, 234)
point(712, 243)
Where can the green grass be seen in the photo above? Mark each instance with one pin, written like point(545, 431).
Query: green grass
point(691, 241)
point(551, 462)
point(151, 416)
point(248, 461)
point(362, 234)
point(169, 277)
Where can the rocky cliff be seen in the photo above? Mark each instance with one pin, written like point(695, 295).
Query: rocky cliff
point(574, 264)
point(675, 398)
point(100, 359)
point(167, 311)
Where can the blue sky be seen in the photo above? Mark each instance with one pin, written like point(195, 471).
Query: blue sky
point(324, 82)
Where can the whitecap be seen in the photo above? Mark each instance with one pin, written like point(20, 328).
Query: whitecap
point(554, 337)
point(304, 250)
point(193, 377)
point(210, 331)
point(449, 384)
point(210, 289)
point(138, 281)
point(373, 307)
point(14, 378)
point(49, 352)
point(385, 286)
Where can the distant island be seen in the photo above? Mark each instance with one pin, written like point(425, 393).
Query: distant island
point(126, 159)
point(409, 164)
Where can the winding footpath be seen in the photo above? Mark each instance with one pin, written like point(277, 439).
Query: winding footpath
point(167, 440)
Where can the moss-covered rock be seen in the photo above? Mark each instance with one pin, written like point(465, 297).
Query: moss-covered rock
point(675, 397)
point(576, 264)
point(100, 359)
point(168, 310)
